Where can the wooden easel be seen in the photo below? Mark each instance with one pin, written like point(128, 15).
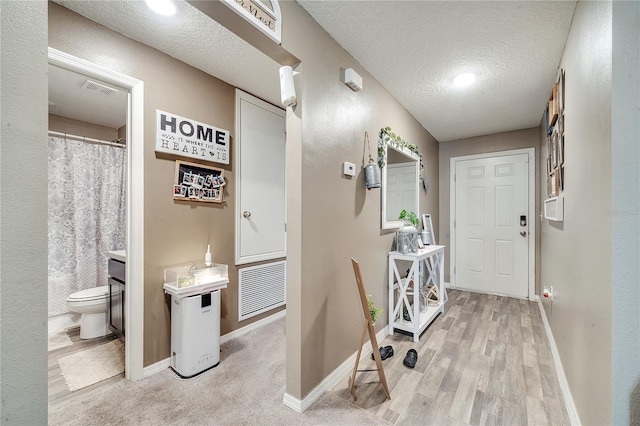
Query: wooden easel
point(372, 337)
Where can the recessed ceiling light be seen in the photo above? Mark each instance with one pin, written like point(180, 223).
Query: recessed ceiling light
point(464, 80)
point(163, 7)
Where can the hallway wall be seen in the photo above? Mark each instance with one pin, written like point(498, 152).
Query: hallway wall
point(23, 228)
point(576, 253)
point(625, 217)
point(339, 218)
point(175, 232)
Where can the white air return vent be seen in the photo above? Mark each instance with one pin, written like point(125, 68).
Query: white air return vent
point(99, 88)
point(261, 288)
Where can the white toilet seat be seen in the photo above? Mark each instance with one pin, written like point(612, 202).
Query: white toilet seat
point(89, 294)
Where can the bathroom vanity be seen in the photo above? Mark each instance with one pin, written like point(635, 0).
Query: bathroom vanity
point(117, 262)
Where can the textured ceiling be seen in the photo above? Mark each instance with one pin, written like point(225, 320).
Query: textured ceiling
point(68, 99)
point(191, 37)
point(413, 48)
point(416, 48)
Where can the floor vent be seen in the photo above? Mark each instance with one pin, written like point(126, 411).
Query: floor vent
point(261, 288)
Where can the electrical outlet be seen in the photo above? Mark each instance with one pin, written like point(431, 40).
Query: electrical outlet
point(547, 292)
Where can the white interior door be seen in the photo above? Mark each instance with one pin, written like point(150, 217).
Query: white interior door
point(491, 225)
point(260, 171)
point(401, 188)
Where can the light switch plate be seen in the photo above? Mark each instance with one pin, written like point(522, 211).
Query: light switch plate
point(349, 169)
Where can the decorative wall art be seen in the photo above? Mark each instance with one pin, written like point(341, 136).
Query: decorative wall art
point(184, 137)
point(195, 182)
point(554, 118)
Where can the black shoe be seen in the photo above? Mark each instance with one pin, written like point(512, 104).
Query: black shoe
point(411, 358)
point(385, 352)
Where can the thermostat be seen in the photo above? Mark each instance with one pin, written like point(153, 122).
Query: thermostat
point(349, 169)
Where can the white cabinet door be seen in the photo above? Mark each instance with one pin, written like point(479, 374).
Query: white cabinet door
point(260, 172)
point(492, 247)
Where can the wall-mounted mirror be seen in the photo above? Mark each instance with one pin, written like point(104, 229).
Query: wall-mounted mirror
point(399, 186)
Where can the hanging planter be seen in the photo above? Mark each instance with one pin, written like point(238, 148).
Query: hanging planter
point(371, 170)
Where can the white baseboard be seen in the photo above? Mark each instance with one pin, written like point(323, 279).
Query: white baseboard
point(244, 330)
point(64, 321)
point(562, 378)
point(156, 368)
point(332, 379)
point(447, 285)
point(165, 363)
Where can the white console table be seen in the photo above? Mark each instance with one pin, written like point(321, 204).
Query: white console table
point(427, 267)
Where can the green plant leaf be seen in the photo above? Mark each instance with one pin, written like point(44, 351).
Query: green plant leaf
point(373, 310)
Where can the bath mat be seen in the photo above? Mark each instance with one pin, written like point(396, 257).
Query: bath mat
point(58, 339)
point(84, 368)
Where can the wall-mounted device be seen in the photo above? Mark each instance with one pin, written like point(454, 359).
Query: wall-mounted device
point(349, 169)
point(554, 209)
point(287, 88)
point(547, 292)
point(352, 79)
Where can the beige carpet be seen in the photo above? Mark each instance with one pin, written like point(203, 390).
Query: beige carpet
point(84, 368)
point(246, 388)
point(58, 339)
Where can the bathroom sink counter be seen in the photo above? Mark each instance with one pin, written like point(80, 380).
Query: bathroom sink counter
point(120, 255)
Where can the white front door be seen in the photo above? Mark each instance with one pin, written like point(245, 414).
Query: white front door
point(491, 225)
point(260, 171)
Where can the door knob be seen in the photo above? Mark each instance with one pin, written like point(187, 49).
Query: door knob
point(246, 214)
point(523, 233)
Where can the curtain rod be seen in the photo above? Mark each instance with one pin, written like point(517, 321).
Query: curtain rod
point(85, 139)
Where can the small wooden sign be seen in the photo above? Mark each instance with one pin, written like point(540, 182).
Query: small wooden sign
point(184, 137)
point(261, 16)
point(195, 182)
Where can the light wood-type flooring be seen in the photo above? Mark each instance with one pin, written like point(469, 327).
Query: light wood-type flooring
point(57, 386)
point(485, 361)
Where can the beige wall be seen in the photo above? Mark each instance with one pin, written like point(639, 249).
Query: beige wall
point(175, 232)
point(576, 253)
point(58, 123)
point(340, 219)
point(519, 139)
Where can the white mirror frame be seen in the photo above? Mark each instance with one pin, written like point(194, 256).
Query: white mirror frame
point(396, 223)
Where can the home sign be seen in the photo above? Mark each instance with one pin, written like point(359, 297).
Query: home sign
point(189, 138)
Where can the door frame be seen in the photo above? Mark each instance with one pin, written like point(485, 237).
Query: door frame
point(134, 302)
point(531, 211)
point(242, 260)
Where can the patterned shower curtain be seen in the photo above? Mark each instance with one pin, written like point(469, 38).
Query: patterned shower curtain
point(87, 215)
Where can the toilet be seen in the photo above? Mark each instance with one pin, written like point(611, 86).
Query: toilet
point(93, 304)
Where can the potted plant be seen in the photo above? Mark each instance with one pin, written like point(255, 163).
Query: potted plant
point(410, 217)
point(407, 235)
point(373, 310)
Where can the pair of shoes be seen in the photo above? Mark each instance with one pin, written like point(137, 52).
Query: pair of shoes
point(385, 352)
point(411, 358)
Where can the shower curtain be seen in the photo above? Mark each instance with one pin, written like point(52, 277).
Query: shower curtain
point(87, 215)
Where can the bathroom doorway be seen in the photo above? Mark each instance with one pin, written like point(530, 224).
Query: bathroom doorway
point(128, 127)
